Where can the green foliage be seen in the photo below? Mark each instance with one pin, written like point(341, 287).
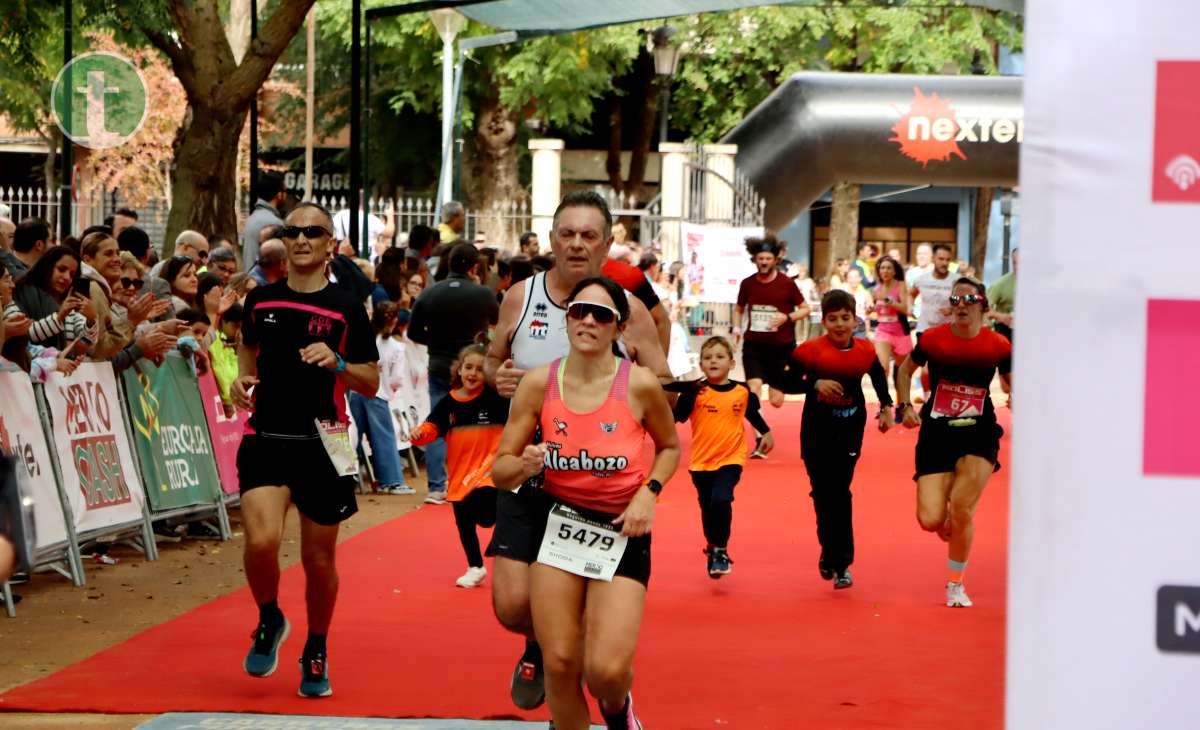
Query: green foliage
point(736, 59)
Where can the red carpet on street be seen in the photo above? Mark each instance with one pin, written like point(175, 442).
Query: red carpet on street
point(770, 646)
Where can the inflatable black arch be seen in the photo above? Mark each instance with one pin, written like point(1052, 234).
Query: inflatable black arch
point(820, 128)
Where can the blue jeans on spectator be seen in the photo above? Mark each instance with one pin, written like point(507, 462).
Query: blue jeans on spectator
point(435, 452)
point(374, 419)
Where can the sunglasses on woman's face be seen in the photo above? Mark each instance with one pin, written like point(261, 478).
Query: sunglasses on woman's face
point(968, 299)
point(135, 283)
point(602, 313)
point(308, 231)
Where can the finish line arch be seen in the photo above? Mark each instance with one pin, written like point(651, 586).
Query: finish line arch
point(821, 128)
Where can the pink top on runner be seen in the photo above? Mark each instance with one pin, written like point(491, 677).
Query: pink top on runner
point(888, 315)
point(593, 460)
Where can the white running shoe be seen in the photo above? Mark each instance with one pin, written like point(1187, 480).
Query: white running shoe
point(472, 578)
point(956, 596)
point(435, 498)
point(402, 489)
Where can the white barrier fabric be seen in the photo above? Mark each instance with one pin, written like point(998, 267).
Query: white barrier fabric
point(716, 261)
point(93, 447)
point(22, 436)
point(1104, 590)
point(410, 402)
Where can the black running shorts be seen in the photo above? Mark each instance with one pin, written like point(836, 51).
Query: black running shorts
point(940, 446)
point(766, 362)
point(517, 535)
point(302, 465)
point(536, 506)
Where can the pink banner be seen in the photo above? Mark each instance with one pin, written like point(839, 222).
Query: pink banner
point(226, 432)
point(1172, 360)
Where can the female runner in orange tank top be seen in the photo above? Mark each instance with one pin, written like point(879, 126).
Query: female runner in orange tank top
point(595, 409)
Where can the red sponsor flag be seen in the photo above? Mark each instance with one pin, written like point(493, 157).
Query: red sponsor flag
point(1172, 401)
point(1176, 173)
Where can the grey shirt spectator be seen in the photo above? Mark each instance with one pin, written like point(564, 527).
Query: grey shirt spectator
point(271, 194)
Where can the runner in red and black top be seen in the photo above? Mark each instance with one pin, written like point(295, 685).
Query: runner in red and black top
point(829, 371)
point(634, 281)
point(304, 342)
point(775, 304)
point(960, 440)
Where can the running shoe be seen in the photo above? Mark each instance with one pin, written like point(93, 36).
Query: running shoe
point(623, 720)
point(314, 676)
point(719, 563)
point(956, 596)
point(826, 573)
point(435, 498)
point(843, 580)
point(264, 652)
point(528, 687)
point(472, 578)
point(401, 489)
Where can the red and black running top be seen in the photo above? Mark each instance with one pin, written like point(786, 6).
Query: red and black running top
point(280, 322)
point(631, 280)
point(958, 363)
point(834, 424)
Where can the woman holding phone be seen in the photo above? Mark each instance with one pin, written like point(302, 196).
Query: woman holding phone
point(588, 586)
point(50, 295)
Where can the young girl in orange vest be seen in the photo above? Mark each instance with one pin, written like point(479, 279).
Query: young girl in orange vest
point(471, 420)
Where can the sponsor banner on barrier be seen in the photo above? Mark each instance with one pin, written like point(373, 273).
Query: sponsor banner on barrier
point(409, 403)
point(170, 434)
point(22, 437)
point(1104, 592)
point(93, 448)
point(224, 431)
point(716, 261)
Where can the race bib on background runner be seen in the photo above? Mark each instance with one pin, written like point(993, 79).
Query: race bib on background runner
point(335, 437)
point(958, 401)
point(581, 546)
point(762, 317)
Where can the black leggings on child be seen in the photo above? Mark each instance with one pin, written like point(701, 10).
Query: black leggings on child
point(715, 492)
point(477, 509)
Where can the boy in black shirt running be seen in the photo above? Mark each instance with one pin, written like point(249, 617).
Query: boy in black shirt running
point(304, 342)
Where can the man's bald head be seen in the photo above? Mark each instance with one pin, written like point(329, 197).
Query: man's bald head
point(193, 244)
point(7, 228)
point(272, 260)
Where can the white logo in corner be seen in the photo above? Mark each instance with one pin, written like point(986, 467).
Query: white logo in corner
point(1184, 171)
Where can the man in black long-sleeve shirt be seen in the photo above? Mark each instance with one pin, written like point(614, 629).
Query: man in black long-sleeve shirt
point(447, 317)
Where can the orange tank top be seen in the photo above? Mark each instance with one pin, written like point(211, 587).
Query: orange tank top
point(593, 460)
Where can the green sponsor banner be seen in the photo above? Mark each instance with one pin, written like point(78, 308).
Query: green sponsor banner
point(170, 434)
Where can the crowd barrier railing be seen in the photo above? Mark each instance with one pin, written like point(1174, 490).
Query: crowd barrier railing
point(104, 457)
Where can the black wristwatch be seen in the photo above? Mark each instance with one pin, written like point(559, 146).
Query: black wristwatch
point(655, 486)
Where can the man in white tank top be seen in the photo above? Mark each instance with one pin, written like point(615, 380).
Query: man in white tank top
point(532, 332)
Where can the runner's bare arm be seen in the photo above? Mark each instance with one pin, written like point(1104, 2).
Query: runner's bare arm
point(904, 391)
point(510, 467)
point(239, 390)
point(662, 323)
point(642, 340)
point(659, 422)
point(500, 351)
point(362, 377)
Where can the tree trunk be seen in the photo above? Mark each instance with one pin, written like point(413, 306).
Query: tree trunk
point(638, 84)
point(496, 174)
point(843, 225)
point(50, 172)
point(219, 91)
point(205, 176)
point(979, 229)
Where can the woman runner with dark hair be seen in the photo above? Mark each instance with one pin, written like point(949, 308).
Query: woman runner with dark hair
point(595, 410)
point(959, 442)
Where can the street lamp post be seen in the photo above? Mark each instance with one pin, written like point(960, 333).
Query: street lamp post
point(666, 62)
point(449, 23)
